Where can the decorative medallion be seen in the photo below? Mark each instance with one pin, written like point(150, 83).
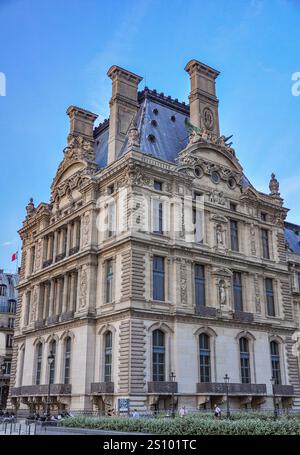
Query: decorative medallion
point(208, 118)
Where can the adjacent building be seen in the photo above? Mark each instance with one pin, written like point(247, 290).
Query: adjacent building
point(157, 268)
point(8, 306)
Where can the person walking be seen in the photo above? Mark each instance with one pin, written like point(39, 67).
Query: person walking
point(182, 411)
point(217, 412)
point(135, 413)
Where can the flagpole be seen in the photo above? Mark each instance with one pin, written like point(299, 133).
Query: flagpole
point(17, 260)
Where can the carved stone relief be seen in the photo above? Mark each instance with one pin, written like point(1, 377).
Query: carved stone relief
point(83, 288)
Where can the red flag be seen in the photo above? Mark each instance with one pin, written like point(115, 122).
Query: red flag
point(14, 257)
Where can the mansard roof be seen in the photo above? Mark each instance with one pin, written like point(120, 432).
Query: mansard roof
point(160, 122)
point(292, 236)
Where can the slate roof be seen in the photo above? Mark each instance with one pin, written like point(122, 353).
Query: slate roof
point(160, 122)
point(292, 236)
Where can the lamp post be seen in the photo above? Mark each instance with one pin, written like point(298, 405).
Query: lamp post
point(50, 361)
point(273, 382)
point(3, 369)
point(172, 379)
point(226, 381)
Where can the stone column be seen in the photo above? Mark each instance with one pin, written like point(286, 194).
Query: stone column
point(49, 248)
point(72, 291)
point(46, 300)
point(69, 238)
point(40, 302)
point(77, 241)
point(51, 298)
point(55, 245)
point(65, 294)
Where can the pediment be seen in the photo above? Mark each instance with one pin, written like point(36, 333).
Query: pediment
point(222, 271)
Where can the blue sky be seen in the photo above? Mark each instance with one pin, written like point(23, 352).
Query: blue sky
point(55, 53)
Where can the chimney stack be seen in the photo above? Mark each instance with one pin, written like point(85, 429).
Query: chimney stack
point(123, 107)
point(81, 122)
point(203, 100)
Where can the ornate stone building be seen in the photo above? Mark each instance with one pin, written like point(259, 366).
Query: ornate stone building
point(8, 306)
point(157, 268)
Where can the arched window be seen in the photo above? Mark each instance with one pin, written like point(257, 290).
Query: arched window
point(67, 368)
point(107, 356)
point(245, 361)
point(275, 361)
point(52, 365)
point(158, 355)
point(204, 345)
point(39, 360)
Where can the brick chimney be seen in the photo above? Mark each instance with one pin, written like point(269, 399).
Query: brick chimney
point(123, 107)
point(203, 100)
point(81, 122)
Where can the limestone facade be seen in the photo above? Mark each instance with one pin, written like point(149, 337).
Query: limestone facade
point(148, 266)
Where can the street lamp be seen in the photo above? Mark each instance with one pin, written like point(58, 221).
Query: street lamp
point(172, 379)
point(226, 381)
point(3, 370)
point(273, 382)
point(51, 359)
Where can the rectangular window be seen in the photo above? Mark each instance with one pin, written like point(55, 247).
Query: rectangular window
point(109, 281)
point(265, 243)
point(199, 285)
point(7, 367)
point(157, 217)
point(197, 222)
point(11, 323)
point(275, 361)
point(12, 306)
point(27, 308)
point(270, 297)
point(232, 206)
point(9, 341)
point(263, 216)
point(158, 278)
point(196, 194)
point(158, 185)
point(237, 291)
point(111, 219)
point(234, 235)
point(110, 189)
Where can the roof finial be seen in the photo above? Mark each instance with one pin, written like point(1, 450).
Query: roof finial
point(274, 186)
point(30, 208)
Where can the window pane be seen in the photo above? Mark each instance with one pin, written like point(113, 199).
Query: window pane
point(67, 369)
point(265, 243)
point(270, 297)
point(158, 355)
point(275, 361)
point(158, 278)
point(234, 235)
point(108, 357)
point(199, 285)
point(204, 344)
point(237, 291)
point(245, 361)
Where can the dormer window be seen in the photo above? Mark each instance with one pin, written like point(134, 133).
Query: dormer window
point(158, 186)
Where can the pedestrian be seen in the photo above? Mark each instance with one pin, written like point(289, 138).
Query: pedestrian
point(217, 412)
point(182, 411)
point(135, 413)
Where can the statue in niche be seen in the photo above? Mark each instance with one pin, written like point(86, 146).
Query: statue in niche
point(219, 236)
point(222, 292)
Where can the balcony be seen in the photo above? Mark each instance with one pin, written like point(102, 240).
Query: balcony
point(42, 390)
point(206, 311)
point(47, 263)
point(68, 316)
point(242, 316)
point(167, 387)
point(102, 387)
point(39, 324)
point(60, 256)
point(52, 319)
point(73, 250)
point(283, 390)
point(215, 388)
